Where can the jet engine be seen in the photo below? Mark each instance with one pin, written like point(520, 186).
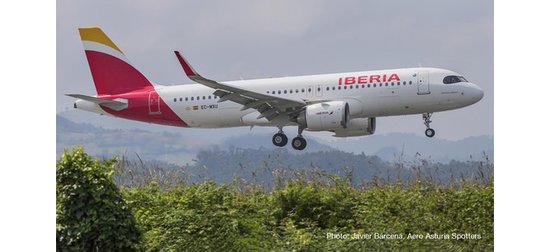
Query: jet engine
point(332, 115)
point(357, 127)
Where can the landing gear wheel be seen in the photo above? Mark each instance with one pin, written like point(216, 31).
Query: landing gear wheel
point(430, 132)
point(299, 143)
point(280, 139)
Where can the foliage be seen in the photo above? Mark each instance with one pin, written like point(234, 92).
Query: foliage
point(299, 215)
point(301, 210)
point(91, 214)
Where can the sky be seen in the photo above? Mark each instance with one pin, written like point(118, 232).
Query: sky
point(229, 40)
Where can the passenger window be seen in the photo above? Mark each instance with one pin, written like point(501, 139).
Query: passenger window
point(186, 99)
point(198, 98)
point(192, 98)
point(175, 99)
point(309, 90)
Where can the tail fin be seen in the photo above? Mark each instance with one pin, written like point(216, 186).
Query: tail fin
point(111, 71)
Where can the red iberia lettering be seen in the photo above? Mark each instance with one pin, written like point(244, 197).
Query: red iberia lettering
point(350, 80)
point(394, 77)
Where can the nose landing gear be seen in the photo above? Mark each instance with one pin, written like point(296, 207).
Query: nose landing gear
point(429, 131)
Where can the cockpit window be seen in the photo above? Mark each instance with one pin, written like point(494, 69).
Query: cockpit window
point(453, 79)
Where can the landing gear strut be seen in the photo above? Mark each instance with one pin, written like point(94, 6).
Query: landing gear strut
point(280, 138)
point(429, 131)
point(299, 143)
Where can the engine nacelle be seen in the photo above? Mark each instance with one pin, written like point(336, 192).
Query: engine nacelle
point(323, 116)
point(358, 127)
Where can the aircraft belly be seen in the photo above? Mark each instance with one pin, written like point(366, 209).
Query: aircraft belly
point(213, 115)
point(202, 118)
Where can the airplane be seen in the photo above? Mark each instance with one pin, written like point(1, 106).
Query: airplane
point(346, 104)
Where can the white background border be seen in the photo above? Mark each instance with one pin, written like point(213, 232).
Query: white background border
point(27, 178)
point(522, 173)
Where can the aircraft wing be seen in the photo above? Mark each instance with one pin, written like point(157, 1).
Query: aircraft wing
point(268, 106)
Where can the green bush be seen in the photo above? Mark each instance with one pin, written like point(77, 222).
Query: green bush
point(91, 214)
point(199, 217)
point(296, 215)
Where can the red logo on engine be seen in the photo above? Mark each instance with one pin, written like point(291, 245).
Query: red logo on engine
point(325, 113)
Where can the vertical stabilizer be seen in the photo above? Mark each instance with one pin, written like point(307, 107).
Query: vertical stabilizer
point(111, 71)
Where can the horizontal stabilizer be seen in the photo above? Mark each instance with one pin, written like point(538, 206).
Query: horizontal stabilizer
point(116, 104)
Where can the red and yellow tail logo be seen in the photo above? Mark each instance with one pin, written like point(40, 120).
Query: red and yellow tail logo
point(111, 71)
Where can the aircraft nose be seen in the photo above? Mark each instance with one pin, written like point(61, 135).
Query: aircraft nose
point(477, 93)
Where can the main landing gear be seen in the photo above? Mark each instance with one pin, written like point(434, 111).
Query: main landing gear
point(298, 143)
point(429, 131)
point(280, 138)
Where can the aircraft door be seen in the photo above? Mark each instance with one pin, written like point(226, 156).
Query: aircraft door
point(423, 82)
point(154, 103)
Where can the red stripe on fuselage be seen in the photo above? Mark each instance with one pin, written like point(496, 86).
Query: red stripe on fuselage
point(139, 108)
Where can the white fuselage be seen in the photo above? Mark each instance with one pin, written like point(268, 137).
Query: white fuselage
point(418, 90)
